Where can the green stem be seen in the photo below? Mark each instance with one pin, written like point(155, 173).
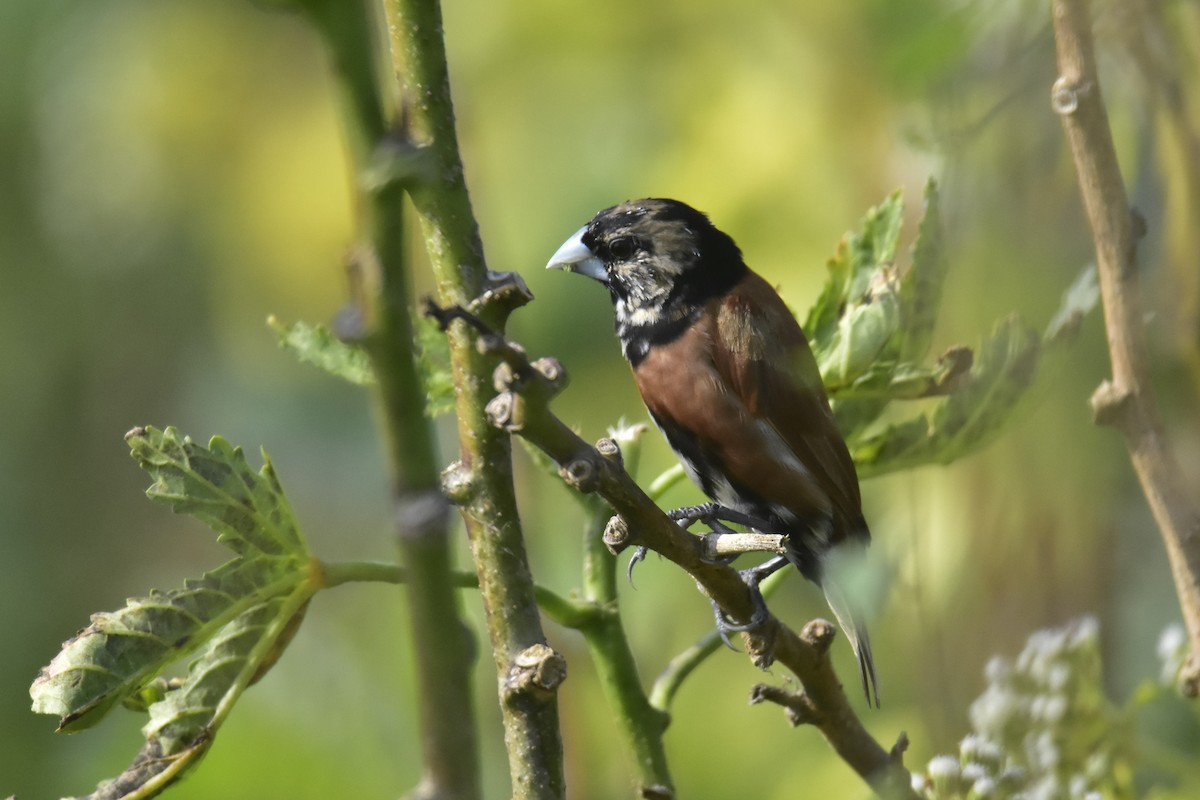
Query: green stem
point(666, 479)
point(441, 646)
point(566, 612)
point(482, 483)
point(667, 685)
point(640, 725)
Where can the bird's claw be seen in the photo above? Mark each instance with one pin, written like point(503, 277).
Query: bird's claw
point(725, 626)
point(752, 577)
point(713, 514)
point(690, 515)
point(639, 554)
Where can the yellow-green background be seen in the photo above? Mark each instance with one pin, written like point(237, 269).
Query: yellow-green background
point(172, 172)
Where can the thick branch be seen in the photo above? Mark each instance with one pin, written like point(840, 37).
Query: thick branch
point(1127, 401)
point(482, 483)
point(522, 408)
point(441, 645)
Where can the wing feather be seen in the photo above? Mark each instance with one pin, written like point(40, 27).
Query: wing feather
point(761, 352)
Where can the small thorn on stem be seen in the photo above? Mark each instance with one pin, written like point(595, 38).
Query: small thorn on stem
point(798, 706)
point(820, 634)
point(616, 534)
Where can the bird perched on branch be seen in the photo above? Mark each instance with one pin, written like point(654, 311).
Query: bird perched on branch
point(728, 377)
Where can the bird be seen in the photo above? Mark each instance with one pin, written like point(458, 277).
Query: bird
point(728, 377)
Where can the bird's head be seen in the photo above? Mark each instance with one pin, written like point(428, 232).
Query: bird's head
point(660, 259)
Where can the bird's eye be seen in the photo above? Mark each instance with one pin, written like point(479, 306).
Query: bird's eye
point(622, 247)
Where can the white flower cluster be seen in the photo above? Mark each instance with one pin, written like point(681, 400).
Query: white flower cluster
point(1043, 728)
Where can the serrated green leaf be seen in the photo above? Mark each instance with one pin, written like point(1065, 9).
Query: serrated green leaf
point(247, 509)
point(433, 365)
point(184, 722)
point(1005, 368)
point(119, 652)
point(852, 268)
point(965, 420)
point(887, 380)
point(318, 346)
point(234, 654)
point(921, 287)
point(863, 331)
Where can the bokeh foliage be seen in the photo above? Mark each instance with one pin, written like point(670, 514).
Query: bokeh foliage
point(172, 172)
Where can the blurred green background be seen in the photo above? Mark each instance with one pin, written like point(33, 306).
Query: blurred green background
point(172, 172)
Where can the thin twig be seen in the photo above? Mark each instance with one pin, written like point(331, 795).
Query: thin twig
point(566, 612)
point(1127, 401)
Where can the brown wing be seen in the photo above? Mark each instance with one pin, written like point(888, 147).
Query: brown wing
point(763, 354)
point(739, 394)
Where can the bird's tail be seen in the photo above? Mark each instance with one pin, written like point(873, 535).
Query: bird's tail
point(850, 620)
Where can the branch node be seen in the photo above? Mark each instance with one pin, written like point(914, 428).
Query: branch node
point(760, 646)
point(553, 371)
point(1066, 94)
point(457, 483)
point(820, 635)
point(505, 411)
point(1110, 403)
point(581, 475)
point(896, 754)
point(505, 293)
point(504, 377)
point(798, 706)
point(617, 535)
point(609, 449)
point(538, 670)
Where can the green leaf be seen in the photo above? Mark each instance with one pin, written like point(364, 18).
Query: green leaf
point(1005, 368)
point(433, 365)
point(237, 618)
point(317, 345)
point(921, 286)
point(185, 721)
point(852, 268)
point(873, 326)
point(906, 381)
point(230, 662)
point(965, 420)
point(215, 485)
point(111, 660)
point(863, 332)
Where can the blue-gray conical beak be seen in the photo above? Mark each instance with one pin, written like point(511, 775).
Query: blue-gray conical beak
point(575, 256)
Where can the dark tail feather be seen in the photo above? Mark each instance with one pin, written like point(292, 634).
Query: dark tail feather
point(855, 630)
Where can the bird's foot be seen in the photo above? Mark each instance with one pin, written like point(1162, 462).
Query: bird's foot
point(714, 515)
point(752, 577)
